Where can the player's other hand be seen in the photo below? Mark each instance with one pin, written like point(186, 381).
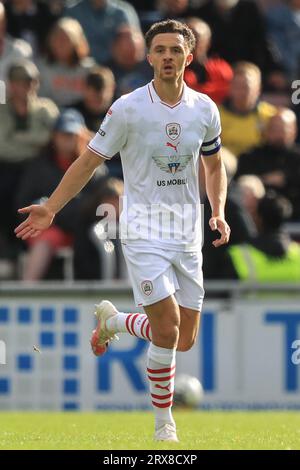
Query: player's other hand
point(39, 218)
point(220, 224)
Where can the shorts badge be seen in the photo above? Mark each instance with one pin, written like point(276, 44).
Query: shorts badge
point(147, 287)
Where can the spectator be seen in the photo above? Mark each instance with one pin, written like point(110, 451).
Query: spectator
point(143, 5)
point(129, 64)
point(283, 26)
point(68, 140)
point(100, 20)
point(239, 33)
point(243, 114)
point(10, 49)
point(29, 20)
point(26, 124)
point(66, 63)
point(166, 9)
point(87, 259)
point(252, 190)
point(277, 162)
point(173, 8)
point(236, 215)
point(98, 92)
point(56, 6)
point(209, 75)
point(271, 256)
point(264, 5)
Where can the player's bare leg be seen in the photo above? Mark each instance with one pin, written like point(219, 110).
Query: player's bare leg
point(164, 318)
point(189, 328)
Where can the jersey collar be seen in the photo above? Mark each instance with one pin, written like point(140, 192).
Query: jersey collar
point(154, 98)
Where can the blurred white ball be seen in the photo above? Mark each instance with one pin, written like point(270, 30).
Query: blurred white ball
point(188, 391)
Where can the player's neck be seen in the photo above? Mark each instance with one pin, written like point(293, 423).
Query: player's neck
point(169, 92)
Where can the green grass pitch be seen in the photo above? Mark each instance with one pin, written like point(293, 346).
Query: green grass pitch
point(133, 430)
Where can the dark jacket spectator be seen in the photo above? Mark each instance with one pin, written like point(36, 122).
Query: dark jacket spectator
point(87, 258)
point(30, 20)
point(277, 162)
point(242, 230)
point(98, 92)
point(238, 218)
point(143, 5)
point(10, 49)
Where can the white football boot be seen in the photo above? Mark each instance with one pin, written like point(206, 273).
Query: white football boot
point(100, 336)
point(167, 432)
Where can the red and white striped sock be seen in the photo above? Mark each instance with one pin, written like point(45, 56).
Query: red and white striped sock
point(161, 374)
point(136, 324)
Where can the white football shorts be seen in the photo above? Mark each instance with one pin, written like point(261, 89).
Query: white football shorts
point(160, 273)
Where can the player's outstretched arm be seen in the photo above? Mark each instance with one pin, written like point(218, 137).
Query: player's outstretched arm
point(216, 188)
point(40, 216)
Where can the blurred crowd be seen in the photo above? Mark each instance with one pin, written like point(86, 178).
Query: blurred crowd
point(65, 61)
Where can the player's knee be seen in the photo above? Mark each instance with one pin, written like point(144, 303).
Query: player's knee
point(185, 344)
point(166, 337)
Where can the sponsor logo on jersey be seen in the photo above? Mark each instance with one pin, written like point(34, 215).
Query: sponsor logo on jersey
point(173, 130)
point(172, 163)
point(172, 182)
point(147, 287)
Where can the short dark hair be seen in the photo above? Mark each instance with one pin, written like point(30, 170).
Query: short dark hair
point(171, 26)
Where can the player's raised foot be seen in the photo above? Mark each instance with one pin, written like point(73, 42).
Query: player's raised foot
point(167, 432)
point(101, 337)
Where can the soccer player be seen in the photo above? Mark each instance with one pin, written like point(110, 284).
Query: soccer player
point(160, 130)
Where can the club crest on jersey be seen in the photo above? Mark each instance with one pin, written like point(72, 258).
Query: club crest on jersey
point(173, 130)
point(147, 287)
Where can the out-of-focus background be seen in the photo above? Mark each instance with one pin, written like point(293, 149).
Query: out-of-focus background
point(63, 64)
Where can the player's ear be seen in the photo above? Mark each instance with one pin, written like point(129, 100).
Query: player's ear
point(149, 60)
point(189, 59)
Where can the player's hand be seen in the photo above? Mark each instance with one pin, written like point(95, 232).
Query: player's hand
point(39, 219)
point(220, 224)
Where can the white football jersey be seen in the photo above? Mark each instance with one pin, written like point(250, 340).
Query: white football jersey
point(159, 146)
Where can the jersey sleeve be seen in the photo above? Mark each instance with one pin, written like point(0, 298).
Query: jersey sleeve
point(212, 141)
point(112, 134)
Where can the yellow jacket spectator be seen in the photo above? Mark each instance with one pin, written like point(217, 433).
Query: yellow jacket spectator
point(244, 115)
